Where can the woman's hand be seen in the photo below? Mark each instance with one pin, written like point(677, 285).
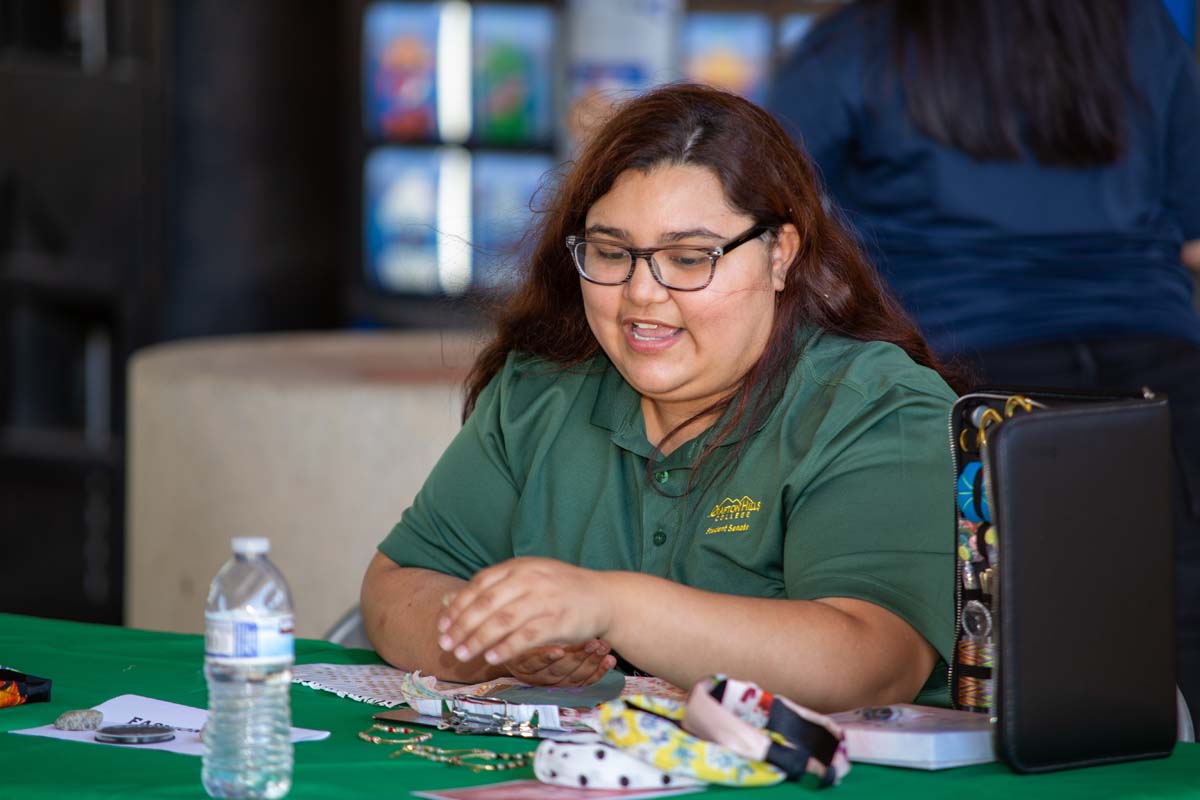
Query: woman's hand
point(557, 665)
point(522, 604)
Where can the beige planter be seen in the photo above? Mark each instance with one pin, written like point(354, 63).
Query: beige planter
point(317, 441)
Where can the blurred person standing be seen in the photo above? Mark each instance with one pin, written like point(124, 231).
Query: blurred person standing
point(1026, 174)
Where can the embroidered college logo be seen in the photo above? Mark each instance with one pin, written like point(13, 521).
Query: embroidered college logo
point(730, 509)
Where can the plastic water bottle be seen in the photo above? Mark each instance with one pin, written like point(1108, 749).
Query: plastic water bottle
point(248, 665)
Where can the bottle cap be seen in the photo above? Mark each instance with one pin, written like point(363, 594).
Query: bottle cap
point(251, 545)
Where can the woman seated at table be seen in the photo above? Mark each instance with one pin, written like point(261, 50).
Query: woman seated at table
point(704, 437)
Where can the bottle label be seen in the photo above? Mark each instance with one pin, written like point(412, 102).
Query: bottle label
point(249, 639)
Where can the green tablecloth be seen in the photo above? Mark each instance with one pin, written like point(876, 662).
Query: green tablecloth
point(93, 663)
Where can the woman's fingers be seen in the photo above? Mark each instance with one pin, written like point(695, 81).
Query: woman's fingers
point(538, 668)
point(486, 608)
point(479, 585)
point(536, 630)
point(574, 659)
point(537, 660)
point(517, 605)
point(589, 670)
point(606, 663)
point(532, 664)
point(492, 613)
point(570, 665)
point(524, 622)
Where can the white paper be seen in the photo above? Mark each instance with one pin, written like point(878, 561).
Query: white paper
point(133, 709)
point(389, 687)
point(379, 684)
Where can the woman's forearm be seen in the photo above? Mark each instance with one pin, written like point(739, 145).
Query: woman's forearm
point(831, 655)
point(400, 607)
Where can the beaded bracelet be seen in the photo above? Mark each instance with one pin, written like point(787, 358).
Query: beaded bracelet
point(491, 761)
point(502, 761)
point(442, 755)
point(416, 738)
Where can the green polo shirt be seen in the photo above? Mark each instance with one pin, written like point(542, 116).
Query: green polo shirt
point(844, 490)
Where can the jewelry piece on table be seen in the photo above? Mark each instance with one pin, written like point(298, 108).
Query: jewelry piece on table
point(415, 737)
point(502, 761)
point(475, 759)
point(441, 755)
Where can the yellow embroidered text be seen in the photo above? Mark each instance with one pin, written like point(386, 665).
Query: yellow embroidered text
point(730, 509)
point(745, 526)
point(734, 509)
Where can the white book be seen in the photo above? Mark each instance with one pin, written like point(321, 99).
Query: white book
point(918, 737)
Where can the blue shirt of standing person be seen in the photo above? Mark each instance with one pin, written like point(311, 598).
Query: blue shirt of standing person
point(999, 215)
point(1026, 174)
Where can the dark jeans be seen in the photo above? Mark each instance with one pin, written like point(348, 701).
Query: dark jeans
point(1167, 367)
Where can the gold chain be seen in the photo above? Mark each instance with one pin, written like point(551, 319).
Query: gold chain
point(474, 759)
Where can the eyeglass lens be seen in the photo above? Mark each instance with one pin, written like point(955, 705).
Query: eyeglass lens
point(678, 268)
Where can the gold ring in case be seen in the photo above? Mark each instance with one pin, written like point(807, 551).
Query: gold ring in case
point(1017, 401)
point(989, 417)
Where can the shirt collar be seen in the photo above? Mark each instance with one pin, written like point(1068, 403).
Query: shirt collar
point(618, 409)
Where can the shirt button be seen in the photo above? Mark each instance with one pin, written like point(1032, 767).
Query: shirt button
point(662, 477)
point(660, 538)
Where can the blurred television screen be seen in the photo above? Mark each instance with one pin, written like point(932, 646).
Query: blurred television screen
point(513, 68)
point(400, 70)
point(614, 50)
point(505, 189)
point(730, 51)
point(412, 245)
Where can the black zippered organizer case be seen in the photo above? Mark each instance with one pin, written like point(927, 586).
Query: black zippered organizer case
point(1064, 574)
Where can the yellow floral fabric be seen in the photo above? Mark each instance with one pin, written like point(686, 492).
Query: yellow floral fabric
point(648, 728)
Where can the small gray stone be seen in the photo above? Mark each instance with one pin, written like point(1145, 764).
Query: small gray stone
point(86, 720)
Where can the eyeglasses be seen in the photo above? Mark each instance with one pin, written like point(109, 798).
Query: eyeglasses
point(684, 269)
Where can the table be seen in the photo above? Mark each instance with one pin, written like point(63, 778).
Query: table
point(92, 663)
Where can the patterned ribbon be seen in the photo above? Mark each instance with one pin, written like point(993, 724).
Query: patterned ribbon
point(728, 732)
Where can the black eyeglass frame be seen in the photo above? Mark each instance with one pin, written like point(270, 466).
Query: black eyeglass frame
point(713, 253)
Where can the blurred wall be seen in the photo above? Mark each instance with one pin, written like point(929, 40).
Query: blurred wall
point(167, 170)
point(253, 167)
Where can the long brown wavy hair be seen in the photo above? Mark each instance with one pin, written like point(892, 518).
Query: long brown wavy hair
point(765, 176)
